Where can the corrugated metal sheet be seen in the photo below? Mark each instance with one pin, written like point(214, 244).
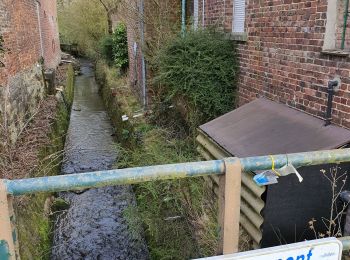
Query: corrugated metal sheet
point(259, 128)
point(251, 202)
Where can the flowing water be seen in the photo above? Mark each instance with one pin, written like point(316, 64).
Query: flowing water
point(95, 225)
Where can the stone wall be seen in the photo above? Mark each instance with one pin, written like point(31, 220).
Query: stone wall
point(283, 56)
point(21, 84)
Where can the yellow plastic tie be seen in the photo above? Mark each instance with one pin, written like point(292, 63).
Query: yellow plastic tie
point(273, 166)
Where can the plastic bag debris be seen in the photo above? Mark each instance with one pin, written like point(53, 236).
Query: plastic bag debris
point(270, 177)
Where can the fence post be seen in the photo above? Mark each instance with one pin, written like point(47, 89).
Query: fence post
point(8, 232)
point(229, 206)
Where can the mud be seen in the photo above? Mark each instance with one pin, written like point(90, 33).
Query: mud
point(94, 226)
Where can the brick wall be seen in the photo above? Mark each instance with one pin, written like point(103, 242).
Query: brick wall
point(129, 14)
point(50, 36)
point(21, 86)
point(19, 29)
point(282, 58)
point(165, 14)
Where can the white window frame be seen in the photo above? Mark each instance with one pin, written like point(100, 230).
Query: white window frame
point(238, 17)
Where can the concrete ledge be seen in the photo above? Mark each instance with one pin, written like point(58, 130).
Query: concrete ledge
point(336, 52)
point(239, 37)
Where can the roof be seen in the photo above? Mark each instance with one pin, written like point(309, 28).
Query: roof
point(264, 127)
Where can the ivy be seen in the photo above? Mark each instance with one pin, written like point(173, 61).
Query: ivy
point(120, 47)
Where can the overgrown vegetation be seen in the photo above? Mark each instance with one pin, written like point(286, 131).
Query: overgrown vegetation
point(43, 158)
point(198, 73)
point(178, 217)
point(83, 23)
point(106, 48)
point(179, 220)
point(114, 48)
point(120, 47)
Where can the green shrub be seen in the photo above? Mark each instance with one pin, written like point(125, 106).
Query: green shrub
point(106, 49)
point(199, 72)
point(120, 47)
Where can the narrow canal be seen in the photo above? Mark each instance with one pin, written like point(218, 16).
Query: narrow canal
point(94, 226)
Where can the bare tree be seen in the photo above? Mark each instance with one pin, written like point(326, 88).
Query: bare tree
point(110, 6)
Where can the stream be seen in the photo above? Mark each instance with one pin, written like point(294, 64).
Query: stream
point(94, 226)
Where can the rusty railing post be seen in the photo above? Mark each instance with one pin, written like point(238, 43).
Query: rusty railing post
point(229, 206)
point(8, 231)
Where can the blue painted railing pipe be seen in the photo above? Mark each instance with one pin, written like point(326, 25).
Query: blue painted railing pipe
point(166, 172)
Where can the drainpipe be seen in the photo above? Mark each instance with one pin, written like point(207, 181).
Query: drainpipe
point(346, 15)
point(183, 22)
point(203, 13)
point(40, 30)
point(144, 92)
point(332, 88)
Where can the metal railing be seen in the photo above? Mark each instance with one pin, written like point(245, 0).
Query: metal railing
point(230, 169)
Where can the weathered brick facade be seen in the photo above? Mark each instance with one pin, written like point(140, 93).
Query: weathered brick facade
point(148, 22)
point(29, 31)
point(50, 36)
point(282, 58)
point(129, 13)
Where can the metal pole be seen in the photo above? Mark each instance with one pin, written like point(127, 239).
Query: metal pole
point(9, 248)
point(346, 15)
point(183, 19)
point(113, 177)
point(144, 91)
point(165, 172)
point(346, 243)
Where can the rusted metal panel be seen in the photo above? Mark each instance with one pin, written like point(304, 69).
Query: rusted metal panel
point(265, 127)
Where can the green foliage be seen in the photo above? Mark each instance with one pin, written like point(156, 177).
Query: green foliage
point(200, 71)
point(84, 23)
point(169, 209)
point(114, 48)
point(106, 47)
point(34, 225)
point(178, 221)
point(69, 89)
point(120, 47)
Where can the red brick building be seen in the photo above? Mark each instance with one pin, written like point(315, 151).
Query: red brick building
point(28, 31)
point(288, 50)
point(142, 19)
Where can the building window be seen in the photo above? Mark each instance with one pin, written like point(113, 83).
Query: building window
point(335, 39)
point(238, 16)
point(238, 21)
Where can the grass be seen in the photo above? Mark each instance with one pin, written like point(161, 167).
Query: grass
point(177, 217)
point(179, 220)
